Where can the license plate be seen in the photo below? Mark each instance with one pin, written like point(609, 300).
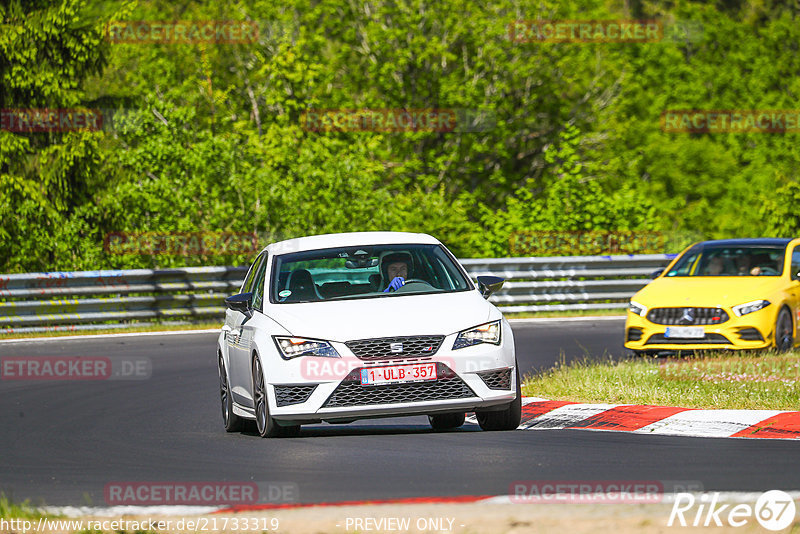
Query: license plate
point(685, 332)
point(413, 372)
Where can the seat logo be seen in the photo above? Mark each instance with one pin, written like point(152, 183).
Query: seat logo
point(688, 316)
point(396, 347)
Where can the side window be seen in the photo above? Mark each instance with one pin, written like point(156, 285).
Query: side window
point(795, 262)
point(251, 274)
point(258, 286)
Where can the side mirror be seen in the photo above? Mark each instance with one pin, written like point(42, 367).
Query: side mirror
point(655, 274)
point(241, 302)
point(489, 284)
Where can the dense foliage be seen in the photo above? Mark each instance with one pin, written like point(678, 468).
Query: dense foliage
point(209, 137)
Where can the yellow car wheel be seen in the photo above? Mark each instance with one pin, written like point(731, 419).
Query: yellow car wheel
point(784, 340)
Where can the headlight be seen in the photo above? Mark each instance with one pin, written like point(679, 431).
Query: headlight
point(292, 347)
point(750, 307)
point(637, 309)
point(485, 333)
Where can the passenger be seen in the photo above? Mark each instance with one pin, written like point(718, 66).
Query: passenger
point(715, 266)
point(742, 265)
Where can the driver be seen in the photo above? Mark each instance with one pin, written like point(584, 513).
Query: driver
point(396, 267)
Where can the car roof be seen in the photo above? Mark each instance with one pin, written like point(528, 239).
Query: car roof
point(349, 239)
point(769, 241)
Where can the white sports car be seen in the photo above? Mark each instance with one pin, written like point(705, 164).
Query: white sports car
point(343, 327)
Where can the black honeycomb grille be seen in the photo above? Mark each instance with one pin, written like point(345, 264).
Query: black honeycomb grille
point(496, 379)
point(351, 392)
point(288, 395)
point(387, 348)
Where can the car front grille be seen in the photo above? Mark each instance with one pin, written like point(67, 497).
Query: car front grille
point(351, 393)
point(389, 348)
point(496, 379)
point(708, 339)
point(288, 395)
point(687, 316)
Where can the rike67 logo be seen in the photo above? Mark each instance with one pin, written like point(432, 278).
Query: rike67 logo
point(774, 510)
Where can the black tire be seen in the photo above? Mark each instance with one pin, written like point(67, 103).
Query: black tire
point(507, 419)
point(784, 331)
point(447, 421)
point(266, 426)
point(232, 422)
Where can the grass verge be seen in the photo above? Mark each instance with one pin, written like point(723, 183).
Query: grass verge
point(732, 380)
point(22, 510)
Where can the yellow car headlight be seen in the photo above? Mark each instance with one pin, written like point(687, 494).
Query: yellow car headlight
point(750, 307)
point(637, 309)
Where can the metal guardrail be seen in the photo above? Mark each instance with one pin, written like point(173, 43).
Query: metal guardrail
point(80, 300)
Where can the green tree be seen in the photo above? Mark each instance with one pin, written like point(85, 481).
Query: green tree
point(47, 49)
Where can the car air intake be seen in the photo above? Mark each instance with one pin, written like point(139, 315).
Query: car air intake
point(350, 392)
point(288, 395)
point(750, 334)
point(496, 379)
point(708, 339)
point(634, 334)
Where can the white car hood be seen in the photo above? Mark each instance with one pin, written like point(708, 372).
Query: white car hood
point(407, 315)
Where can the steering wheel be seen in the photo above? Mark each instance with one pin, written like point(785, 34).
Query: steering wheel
point(414, 281)
point(768, 271)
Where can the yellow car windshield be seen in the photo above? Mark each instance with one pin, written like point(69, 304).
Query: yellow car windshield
point(730, 261)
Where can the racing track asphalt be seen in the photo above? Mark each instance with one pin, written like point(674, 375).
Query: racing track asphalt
point(62, 442)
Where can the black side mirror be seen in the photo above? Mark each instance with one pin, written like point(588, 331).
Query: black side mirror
point(655, 274)
point(489, 284)
point(241, 302)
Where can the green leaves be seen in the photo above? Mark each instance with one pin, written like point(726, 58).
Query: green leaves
point(212, 137)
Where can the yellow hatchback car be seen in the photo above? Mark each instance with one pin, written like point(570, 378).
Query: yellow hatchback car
point(726, 294)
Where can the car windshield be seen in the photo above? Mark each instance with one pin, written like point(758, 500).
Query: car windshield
point(756, 260)
point(364, 272)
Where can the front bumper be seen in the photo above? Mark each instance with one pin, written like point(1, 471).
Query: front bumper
point(750, 332)
point(478, 377)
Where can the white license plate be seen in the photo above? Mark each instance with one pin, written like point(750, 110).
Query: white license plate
point(685, 332)
point(413, 372)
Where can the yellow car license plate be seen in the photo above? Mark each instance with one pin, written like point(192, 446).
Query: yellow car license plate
point(685, 332)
